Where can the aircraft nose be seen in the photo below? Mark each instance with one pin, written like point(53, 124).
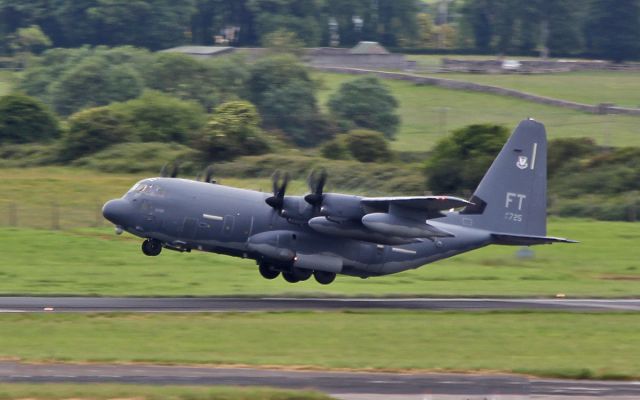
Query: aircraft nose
point(116, 211)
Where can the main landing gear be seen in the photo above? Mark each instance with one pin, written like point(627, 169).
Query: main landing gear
point(151, 247)
point(295, 275)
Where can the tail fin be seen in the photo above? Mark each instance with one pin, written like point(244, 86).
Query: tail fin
point(512, 197)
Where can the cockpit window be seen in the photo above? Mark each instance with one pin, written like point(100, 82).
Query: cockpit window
point(149, 188)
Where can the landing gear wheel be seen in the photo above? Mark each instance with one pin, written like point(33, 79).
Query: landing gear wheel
point(267, 272)
point(302, 274)
point(151, 247)
point(290, 277)
point(324, 278)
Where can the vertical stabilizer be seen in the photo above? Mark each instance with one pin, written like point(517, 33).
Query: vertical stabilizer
point(512, 196)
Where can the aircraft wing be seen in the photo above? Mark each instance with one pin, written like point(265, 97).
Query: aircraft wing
point(430, 204)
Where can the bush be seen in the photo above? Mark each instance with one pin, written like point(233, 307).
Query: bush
point(141, 157)
point(157, 117)
point(564, 151)
point(366, 103)
point(344, 175)
point(367, 146)
point(460, 160)
point(232, 131)
point(93, 130)
point(24, 119)
point(335, 149)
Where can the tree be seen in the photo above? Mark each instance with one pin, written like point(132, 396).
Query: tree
point(94, 82)
point(300, 17)
point(367, 146)
point(232, 131)
point(613, 31)
point(285, 94)
point(27, 41)
point(460, 160)
point(366, 103)
point(154, 24)
point(184, 77)
point(157, 117)
point(95, 129)
point(24, 119)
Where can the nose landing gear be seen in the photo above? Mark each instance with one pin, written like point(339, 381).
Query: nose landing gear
point(151, 247)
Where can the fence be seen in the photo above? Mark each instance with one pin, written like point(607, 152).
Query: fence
point(52, 216)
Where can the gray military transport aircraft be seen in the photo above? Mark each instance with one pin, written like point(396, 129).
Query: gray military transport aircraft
point(324, 234)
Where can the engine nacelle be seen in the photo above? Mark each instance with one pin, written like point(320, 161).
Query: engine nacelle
point(353, 230)
point(341, 206)
point(388, 224)
point(276, 246)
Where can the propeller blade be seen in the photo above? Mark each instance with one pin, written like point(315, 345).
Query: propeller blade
point(280, 183)
point(163, 171)
point(175, 170)
point(208, 174)
point(317, 180)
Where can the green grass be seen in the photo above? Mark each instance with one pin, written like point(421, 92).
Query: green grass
point(428, 113)
point(141, 392)
point(549, 344)
point(96, 262)
point(594, 87)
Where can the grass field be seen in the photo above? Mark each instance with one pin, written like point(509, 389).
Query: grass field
point(548, 344)
point(619, 87)
point(428, 113)
point(96, 262)
point(141, 392)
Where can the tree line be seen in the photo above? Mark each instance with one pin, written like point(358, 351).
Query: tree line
point(225, 107)
point(599, 28)
point(158, 24)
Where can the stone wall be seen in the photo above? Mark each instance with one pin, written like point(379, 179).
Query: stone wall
point(476, 87)
point(366, 61)
point(532, 66)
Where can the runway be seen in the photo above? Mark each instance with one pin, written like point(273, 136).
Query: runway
point(227, 304)
point(345, 385)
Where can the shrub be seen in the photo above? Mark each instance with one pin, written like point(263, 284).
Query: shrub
point(24, 119)
point(233, 130)
point(93, 130)
point(157, 117)
point(366, 103)
point(461, 159)
point(141, 157)
point(367, 146)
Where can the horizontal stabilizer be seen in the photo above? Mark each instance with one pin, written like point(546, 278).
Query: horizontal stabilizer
point(525, 240)
point(424, 203)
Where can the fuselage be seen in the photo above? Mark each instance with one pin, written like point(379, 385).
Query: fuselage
point(189, 215)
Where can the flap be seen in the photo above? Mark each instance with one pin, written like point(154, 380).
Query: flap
point(425, 203)
point(525, 240)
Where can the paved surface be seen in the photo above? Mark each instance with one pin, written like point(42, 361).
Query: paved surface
point(108, 304)
point(343, 385)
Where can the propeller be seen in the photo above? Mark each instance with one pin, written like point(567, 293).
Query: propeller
point(165, 172)
point(280, 183)
point(208, 178)
point(316, 181)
